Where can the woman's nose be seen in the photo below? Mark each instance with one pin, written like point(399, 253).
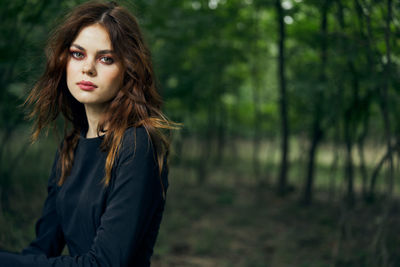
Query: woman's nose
point(89, 68)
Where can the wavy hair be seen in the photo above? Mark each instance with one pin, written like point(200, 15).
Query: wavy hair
point(137, 103)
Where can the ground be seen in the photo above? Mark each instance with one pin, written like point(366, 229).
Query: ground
point(243, 224)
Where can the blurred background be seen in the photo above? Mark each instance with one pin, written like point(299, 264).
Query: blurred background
point(289, 153)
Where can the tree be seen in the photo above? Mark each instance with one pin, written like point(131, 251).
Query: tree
point(284, 163)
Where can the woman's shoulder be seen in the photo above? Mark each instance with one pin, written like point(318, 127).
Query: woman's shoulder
point(136, 140)
point(136, 136)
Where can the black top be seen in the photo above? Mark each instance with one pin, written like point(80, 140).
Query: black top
point(102, 226)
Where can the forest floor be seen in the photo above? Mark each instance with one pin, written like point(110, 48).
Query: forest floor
point(244, 224)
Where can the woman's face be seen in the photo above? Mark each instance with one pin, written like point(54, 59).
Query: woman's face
point(94, 75)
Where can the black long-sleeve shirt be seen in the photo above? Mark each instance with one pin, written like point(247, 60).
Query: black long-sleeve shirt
point(102, 226)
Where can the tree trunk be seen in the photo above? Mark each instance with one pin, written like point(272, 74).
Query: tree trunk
point(360, 148)
point(385, 98)
point(378, 167)
point(351, 113)
point(335, 164)
point(384, 107)
point(349, 171)
point(308, 187)
point(317, 132)
point(284, 165)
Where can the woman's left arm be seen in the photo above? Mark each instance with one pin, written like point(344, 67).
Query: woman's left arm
point(134, 199)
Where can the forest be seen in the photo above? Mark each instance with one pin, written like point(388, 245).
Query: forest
point(289, 150)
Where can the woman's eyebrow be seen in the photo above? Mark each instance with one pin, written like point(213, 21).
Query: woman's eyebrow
point(105, 51)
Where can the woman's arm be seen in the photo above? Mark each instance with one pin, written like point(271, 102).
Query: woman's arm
point(49, 236)
point(134, 198)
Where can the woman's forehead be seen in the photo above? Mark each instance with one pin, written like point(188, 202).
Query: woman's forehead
point(93, 37)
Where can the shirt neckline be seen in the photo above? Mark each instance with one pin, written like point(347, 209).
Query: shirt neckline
point(90, 139)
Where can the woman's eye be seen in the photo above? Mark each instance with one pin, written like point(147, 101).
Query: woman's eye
point(107, 60)
point(77, 55)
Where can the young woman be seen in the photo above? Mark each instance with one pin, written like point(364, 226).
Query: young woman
point(106, 192)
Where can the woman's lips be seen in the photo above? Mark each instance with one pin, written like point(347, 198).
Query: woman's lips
point(87, 86)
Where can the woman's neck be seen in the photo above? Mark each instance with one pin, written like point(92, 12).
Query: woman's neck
point(93, 115)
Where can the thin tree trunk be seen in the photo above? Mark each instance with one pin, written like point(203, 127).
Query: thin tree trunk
point(308, 187)
point(364, 13)
point(385, 97)
point(363, 168)
point(384, 107)
point(350, 112)
point(334, 165)
point(378, 167)
point(317, 132)
point(349, 170)
point(284, 165)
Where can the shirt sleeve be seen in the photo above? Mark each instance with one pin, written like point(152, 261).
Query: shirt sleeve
point(135, 195)
point(49, 236)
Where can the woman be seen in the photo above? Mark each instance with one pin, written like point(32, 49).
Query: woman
point(106, 192)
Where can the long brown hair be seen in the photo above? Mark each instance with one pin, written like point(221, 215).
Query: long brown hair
point(137, 103)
